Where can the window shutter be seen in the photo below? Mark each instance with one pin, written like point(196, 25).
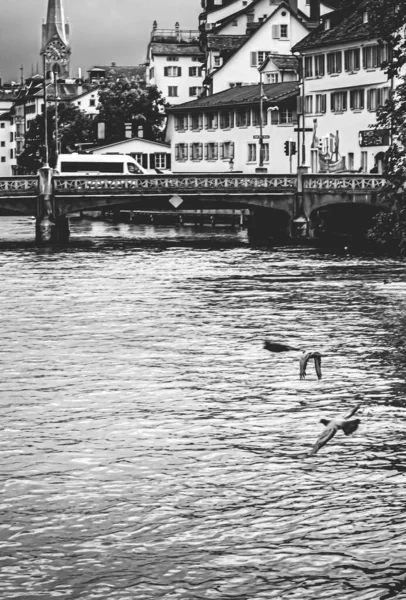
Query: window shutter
point(347, 60)
point(168, 161)
point(339, 62)
point(166, 71)
point(206, 151)
point(378, 97)
point(345, 97)
point(216, 120)
point(145, 161)
point(192, 156)
point(221, 151)
point(191, 91)
point(179, 69)
point(299, 105)
point(248, 113)
point(362, 98)
point(232, 150)
point(176, 152)
point(186, 151)
point(276, 32)
point(275, 117)
point(364, 57)
point(369, 99)
point(323, 103)
point(200, 151)
point(191, 71)
point(215, 151)
point(332, 100)
point(200, 120)
point(253, 59)
point(152, 161)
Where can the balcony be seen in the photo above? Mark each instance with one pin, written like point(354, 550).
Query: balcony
point(175, 36)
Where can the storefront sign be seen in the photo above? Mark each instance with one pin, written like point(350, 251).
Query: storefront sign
point(374, 137)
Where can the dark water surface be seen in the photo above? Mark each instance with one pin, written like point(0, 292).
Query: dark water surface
point(151, 449)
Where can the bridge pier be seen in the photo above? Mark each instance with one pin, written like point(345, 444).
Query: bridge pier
point(49, 228)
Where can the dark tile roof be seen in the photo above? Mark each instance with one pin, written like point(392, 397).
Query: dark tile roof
point(284, 62)
point(118, 71)
point(345, 27)
point(6, 116)
point(245, 95)
point(225, 42)
point(158, 48)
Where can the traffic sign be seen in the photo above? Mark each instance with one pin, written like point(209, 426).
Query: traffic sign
point(258, 137)
point(308, 129)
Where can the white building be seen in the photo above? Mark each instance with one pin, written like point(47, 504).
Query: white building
point(150, 155)
point(174, 62)
point(343, 87)
point(7, 145)
point(221, 132)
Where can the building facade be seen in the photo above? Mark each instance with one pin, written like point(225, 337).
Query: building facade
point(174, 63)
point(221, 133)
point(344, 85)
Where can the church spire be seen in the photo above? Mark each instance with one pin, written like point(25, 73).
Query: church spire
point(55, 39)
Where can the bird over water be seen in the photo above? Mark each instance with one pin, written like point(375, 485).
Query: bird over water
point(346, 424)
point(304, 358)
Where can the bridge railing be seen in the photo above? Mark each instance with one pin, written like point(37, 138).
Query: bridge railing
point(343, 181)
point(161, 184)
point(26, 185)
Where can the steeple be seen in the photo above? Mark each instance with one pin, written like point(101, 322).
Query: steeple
point(55, 39)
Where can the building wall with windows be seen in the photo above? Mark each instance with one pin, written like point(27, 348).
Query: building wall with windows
point(277, 34)
point(344, 85)
point(178, 77)
point(87, 101)
point(221, 133)
point(8, 159)
point(150, 155)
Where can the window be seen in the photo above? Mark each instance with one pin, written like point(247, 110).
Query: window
point(226, 120)
point(308, 105)
point(352, 60)
point(181, 152)
point(196, 150)
point(92, 102)
point(234, 23)
point(320, 103)
point(286, 116)
point(351, 164)
point(3, 159)
point(227, 150)
point(280, 32)
point(138, 157)
point(195, 59)
point(252, 152)
point(217, 61)
point(373, 56)
point(265, 150)
point(377, 97)
point(172, 71)
point(309, 66)
point(272, 78)
point(195, 72)
point(181, 122)
point(334, 61)
point(172, 58)
point(338, 101)
point(218, 2)
point(319, 65)
point(365, 17)
point(256, 117)
point(2, 125)
point(242, 118)
point(327, 24)
point(197, 122)
point(11, 153)
point(257, 58)
point(3, 144)
point(364, 161)
point(172, 91)
point(195, 91)
point(357, 99)
point(211, 120)
point(160, 160)
point(211, 151)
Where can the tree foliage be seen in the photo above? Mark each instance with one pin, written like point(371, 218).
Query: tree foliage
point(124, 101)
point(74, 127)
point(388, 19)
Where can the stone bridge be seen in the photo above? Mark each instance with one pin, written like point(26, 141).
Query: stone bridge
point(288, 197)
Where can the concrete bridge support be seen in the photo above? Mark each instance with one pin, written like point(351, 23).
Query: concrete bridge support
point(49, 228)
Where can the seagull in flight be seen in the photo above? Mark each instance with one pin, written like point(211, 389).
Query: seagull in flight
point(346, 424)
point(304, 358)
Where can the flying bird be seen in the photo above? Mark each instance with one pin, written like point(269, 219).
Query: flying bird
point(304, 358)
point(346, 424)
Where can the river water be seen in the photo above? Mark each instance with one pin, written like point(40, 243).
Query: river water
point(151, 449)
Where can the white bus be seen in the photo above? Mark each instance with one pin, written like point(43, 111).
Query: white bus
point(99, 164)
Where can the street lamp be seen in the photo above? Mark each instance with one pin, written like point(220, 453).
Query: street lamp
point(261, 168)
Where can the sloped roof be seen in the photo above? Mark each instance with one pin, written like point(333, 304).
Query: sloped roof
point(225, 42)
point(163, 48)
point(345, 27)
point(245, 95)
point(284, 62)
point(124, 141)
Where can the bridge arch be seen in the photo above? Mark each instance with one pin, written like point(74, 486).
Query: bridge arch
point(342, 219)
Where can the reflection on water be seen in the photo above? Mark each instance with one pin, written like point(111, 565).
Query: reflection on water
point(150, 448)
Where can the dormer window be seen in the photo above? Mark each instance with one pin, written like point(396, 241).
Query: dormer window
point(365, 17)
point(327, 24)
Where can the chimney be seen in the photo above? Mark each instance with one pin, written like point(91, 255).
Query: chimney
point(293, 5)
point(315, 11)
point(79, 73)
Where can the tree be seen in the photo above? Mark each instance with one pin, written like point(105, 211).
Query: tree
point(74, 127)
point(124, 101)
point(388, 18)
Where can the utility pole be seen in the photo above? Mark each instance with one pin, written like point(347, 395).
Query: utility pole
point(46, 151)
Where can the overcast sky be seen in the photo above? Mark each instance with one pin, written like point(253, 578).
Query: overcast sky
point(102, 31)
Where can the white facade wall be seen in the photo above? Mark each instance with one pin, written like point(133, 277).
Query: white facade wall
point(222, 13)
point(347, 121)
point(182, 83)
point(240, 137)
point(241, 68)
point(151, 155)
point(88, 102)
point(7, 147)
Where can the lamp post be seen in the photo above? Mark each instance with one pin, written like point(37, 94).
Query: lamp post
point(46, 151)
point(301, 130)
point(261, 104)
